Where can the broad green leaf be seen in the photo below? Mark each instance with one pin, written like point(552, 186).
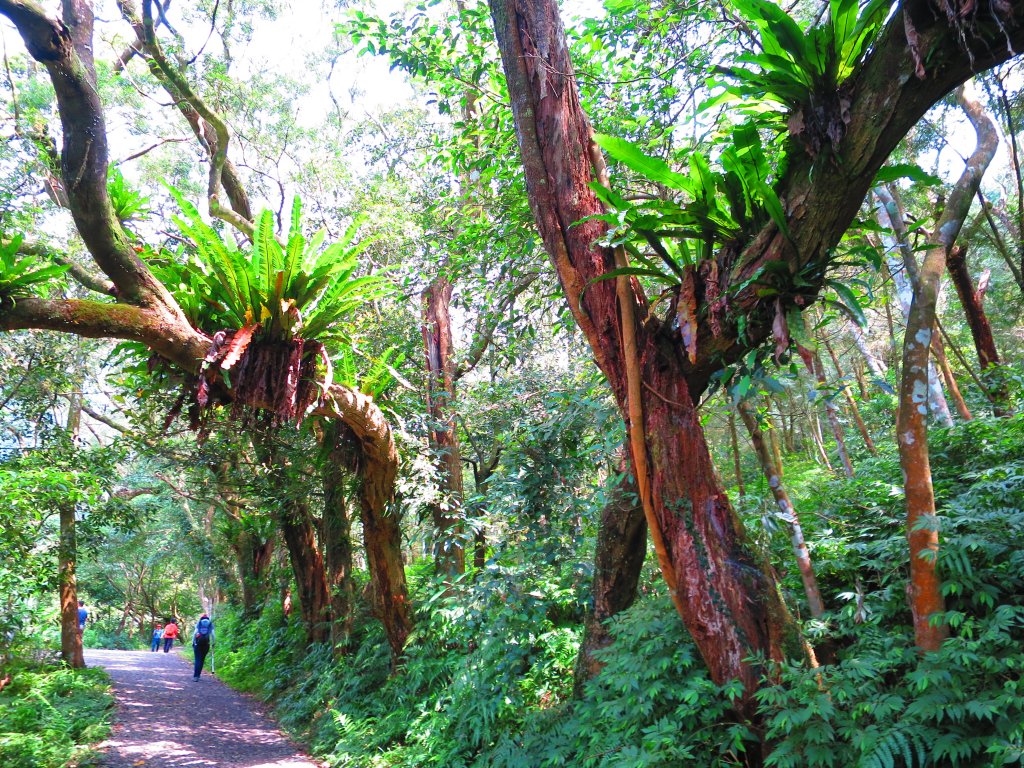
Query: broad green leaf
point(653, 168)
point(905, 171)
point(848, 301)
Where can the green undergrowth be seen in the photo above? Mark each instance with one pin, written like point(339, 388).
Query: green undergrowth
point(488, 676)
point(50, 716)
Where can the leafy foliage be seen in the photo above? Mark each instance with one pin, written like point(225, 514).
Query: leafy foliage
point(712, 207)
point(50, 716)
point(24, 275)
point(298, 289)
point(128, 202)
point(804, 71)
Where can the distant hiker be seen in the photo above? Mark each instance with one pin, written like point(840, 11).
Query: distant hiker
point(170, 633)
point(83, 616)
point(158, 635)
point(202, 639)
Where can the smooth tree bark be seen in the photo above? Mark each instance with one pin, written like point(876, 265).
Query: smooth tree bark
point(773, 475)
point(924, 591)
point(812, 360)
point(875, 364)
point(851, 402)
point(727, 598)
point(819, 454)
point(446, 510)
point(972, 301)
point(902, 266)
point(949, 378)
point(618, 560)
point(144, 310)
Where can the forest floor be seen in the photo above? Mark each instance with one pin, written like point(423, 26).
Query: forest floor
point(166, 719)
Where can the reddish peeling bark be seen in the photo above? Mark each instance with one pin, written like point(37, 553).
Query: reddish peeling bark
point(727, 599)
point(449, 550)
point(925, 585)
point(618, 561)
point(981, 330)
point(382, 533)
point(70, 640)
point(773, 474)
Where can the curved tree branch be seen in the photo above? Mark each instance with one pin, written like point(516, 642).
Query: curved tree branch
point(81, 275)
point(208, 126)
point(60, 47)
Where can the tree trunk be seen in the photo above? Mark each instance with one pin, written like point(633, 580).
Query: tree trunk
point(796, 534)
point(446, 510)
point(337, 541)
point(911, 428)
point(67, 549)
point(727, 597)
point(851, 402)
point(820, 454)
point(902, 265)
point(382, 533)
point(773, 442)
point(735, 443)
point(252, 555)
point(382, 537)
point(70, 639)
point(483, 469)
point(618, 560)
point(308, 568)
point(981, 330)
point(939, 353)
point(813, 362)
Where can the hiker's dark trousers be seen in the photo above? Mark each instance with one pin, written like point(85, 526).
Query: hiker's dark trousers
point(201, 647)
point(168, 644)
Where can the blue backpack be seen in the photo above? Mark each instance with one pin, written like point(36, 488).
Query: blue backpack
point(203, 629)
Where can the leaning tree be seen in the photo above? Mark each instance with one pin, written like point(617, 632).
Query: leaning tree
point(863, 79)
point(131, 303)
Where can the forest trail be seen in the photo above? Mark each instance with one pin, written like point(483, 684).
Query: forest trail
point(165, 719)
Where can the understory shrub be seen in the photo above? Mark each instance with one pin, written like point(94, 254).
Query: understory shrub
point(50, 716)
point(487, 676)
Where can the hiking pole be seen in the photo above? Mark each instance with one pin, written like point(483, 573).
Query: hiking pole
point(213, 644)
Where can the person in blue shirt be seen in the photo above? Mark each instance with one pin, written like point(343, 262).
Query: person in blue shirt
point(83, 616)
point(158, 635)
point(202, 639)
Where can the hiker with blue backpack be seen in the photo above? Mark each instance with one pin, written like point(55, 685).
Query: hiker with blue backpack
point(202, 639)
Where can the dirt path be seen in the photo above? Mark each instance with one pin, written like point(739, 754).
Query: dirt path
point(165, 719)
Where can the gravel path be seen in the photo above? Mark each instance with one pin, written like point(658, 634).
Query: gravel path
point(165, 719)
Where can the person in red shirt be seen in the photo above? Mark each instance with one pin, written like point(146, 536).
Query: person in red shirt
point(170, 632)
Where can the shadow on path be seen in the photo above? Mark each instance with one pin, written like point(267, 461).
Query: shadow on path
point(165, 719)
